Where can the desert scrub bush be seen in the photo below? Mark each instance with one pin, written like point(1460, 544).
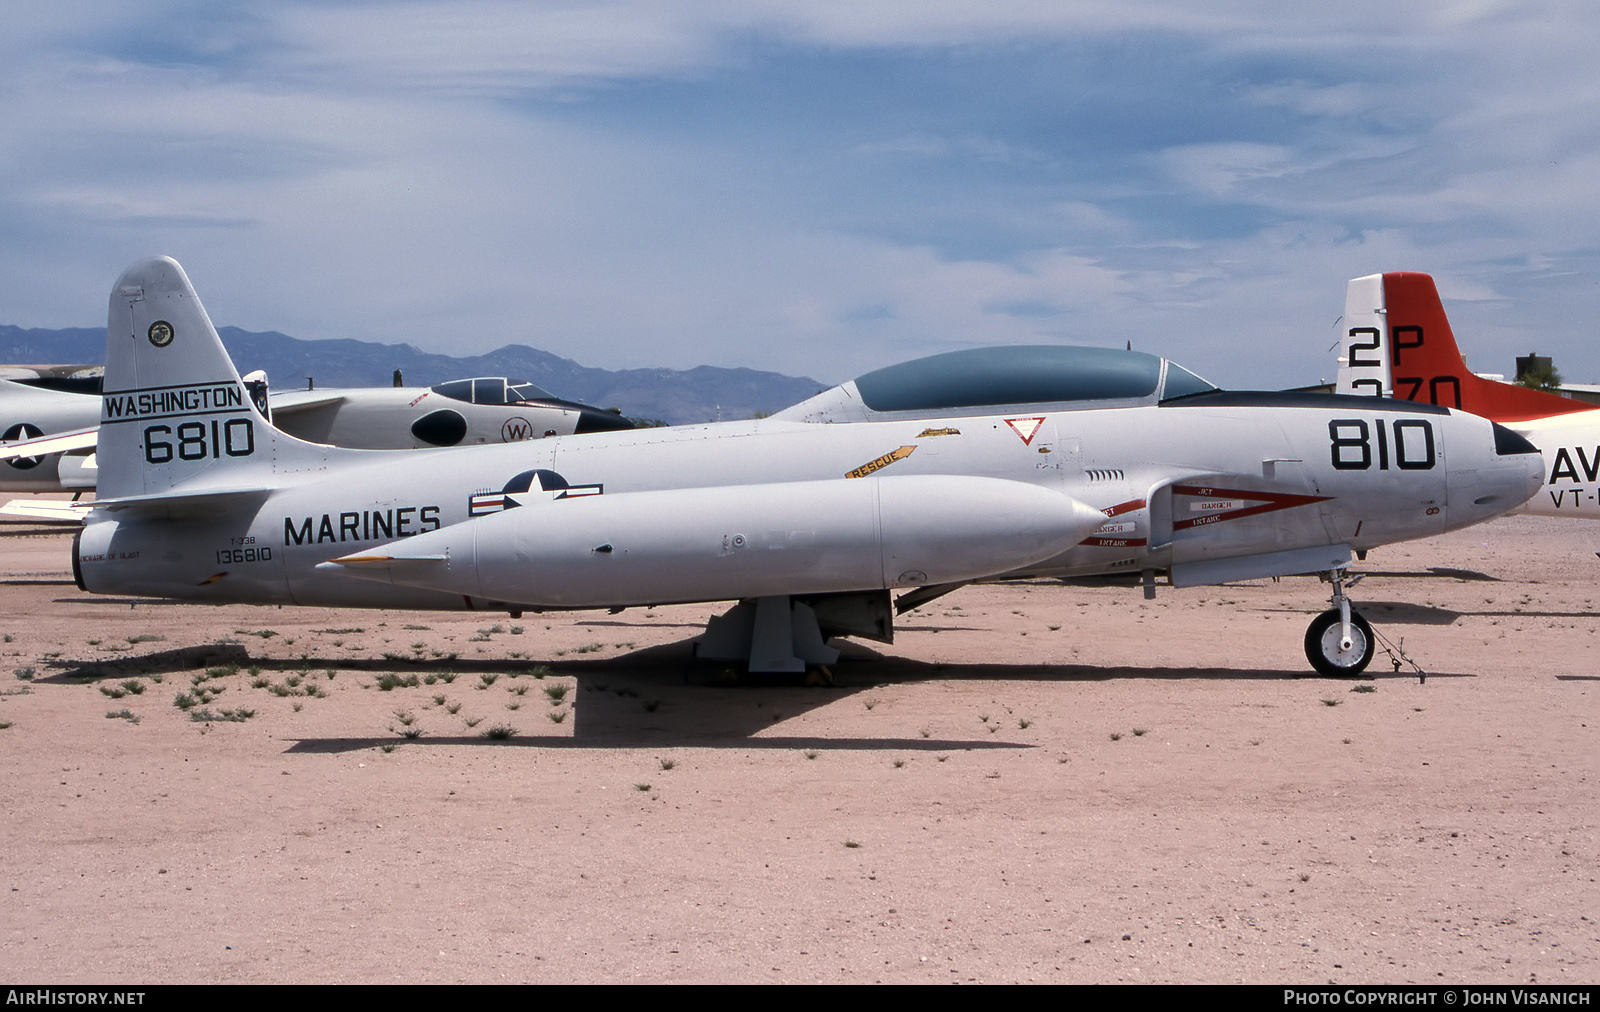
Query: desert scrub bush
point(207, 716)
point(390, 682)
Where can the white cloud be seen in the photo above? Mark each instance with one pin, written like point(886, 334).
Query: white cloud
point(457, 175)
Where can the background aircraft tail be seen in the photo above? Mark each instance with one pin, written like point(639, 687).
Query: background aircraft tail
point(175, 416)
point(1398, 343)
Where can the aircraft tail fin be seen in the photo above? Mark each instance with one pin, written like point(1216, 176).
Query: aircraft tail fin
point(1364, 349)
point(1398, 343)
point(174, 411)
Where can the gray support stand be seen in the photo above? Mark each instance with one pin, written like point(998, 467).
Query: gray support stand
point(769, 634)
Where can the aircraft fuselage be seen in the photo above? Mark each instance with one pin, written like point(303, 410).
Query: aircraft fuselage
point(1183, 488)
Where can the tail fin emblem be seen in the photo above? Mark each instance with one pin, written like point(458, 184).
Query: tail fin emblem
point(160, 333)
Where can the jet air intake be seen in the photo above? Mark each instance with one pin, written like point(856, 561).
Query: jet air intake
point(731, 542)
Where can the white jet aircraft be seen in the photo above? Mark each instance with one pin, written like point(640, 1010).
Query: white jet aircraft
point(1135, 466)
point(41, 407)
point(1398, 343)
point(50, 433)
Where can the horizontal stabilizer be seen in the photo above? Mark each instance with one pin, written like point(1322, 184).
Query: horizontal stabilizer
point(198, 502)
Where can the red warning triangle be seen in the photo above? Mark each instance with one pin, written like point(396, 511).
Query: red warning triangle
point(1026, 428)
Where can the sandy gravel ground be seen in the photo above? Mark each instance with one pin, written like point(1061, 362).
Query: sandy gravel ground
point(1035, 783)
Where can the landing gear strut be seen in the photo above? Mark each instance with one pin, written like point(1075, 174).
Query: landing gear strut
point(1339, 642)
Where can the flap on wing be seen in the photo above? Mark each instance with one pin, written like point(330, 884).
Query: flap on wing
point(1293, 562)
point(59, 442)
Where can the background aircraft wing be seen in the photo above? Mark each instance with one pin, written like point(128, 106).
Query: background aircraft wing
point(291, 401)
point(60, 442)
point(53, 511)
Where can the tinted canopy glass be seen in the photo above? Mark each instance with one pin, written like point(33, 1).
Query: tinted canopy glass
point(1030, 374)
point(491, 390)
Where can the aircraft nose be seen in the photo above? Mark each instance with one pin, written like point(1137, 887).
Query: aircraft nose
point(595, 420)
point(1511, 444)
point(1486, 483)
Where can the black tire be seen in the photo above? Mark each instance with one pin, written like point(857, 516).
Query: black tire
point(1322, 645)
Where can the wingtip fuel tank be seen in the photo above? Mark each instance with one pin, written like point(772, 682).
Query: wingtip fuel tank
point(731, 542)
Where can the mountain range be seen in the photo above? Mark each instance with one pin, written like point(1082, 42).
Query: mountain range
point(676, 396)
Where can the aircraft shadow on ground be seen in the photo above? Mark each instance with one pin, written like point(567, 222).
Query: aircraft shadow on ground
point(656, 697)
point(1434, 572)
point(661, 697)
point(661, 738)
point(1406, 613)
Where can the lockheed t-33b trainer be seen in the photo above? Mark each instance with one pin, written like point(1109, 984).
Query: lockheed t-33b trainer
point(1044, 461)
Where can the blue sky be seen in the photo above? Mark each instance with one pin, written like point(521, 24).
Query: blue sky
point(813, 187)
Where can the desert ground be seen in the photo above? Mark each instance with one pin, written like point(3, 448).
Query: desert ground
point(1035, 782)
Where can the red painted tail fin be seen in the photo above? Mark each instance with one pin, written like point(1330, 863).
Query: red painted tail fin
point(1427, 365)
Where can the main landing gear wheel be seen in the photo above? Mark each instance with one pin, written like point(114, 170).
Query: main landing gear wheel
point(1326, 653)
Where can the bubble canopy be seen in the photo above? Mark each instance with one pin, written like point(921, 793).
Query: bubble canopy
point(492, 390)
point(1030, 374)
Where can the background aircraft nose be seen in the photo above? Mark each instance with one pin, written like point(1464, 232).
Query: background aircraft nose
point(1508, 443)
point(1511, 444)
point(596, 420)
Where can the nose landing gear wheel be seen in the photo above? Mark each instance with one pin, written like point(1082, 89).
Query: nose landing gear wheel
point(1325, 653)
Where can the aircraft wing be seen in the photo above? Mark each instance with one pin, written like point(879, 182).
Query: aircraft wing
point(54, 511)
point(289, 402)
point(59, 442)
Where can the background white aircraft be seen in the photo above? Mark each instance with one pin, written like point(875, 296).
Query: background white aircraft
point(40, 406)
point(1045, 461)
point(49, 426)
point(1398, 343)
